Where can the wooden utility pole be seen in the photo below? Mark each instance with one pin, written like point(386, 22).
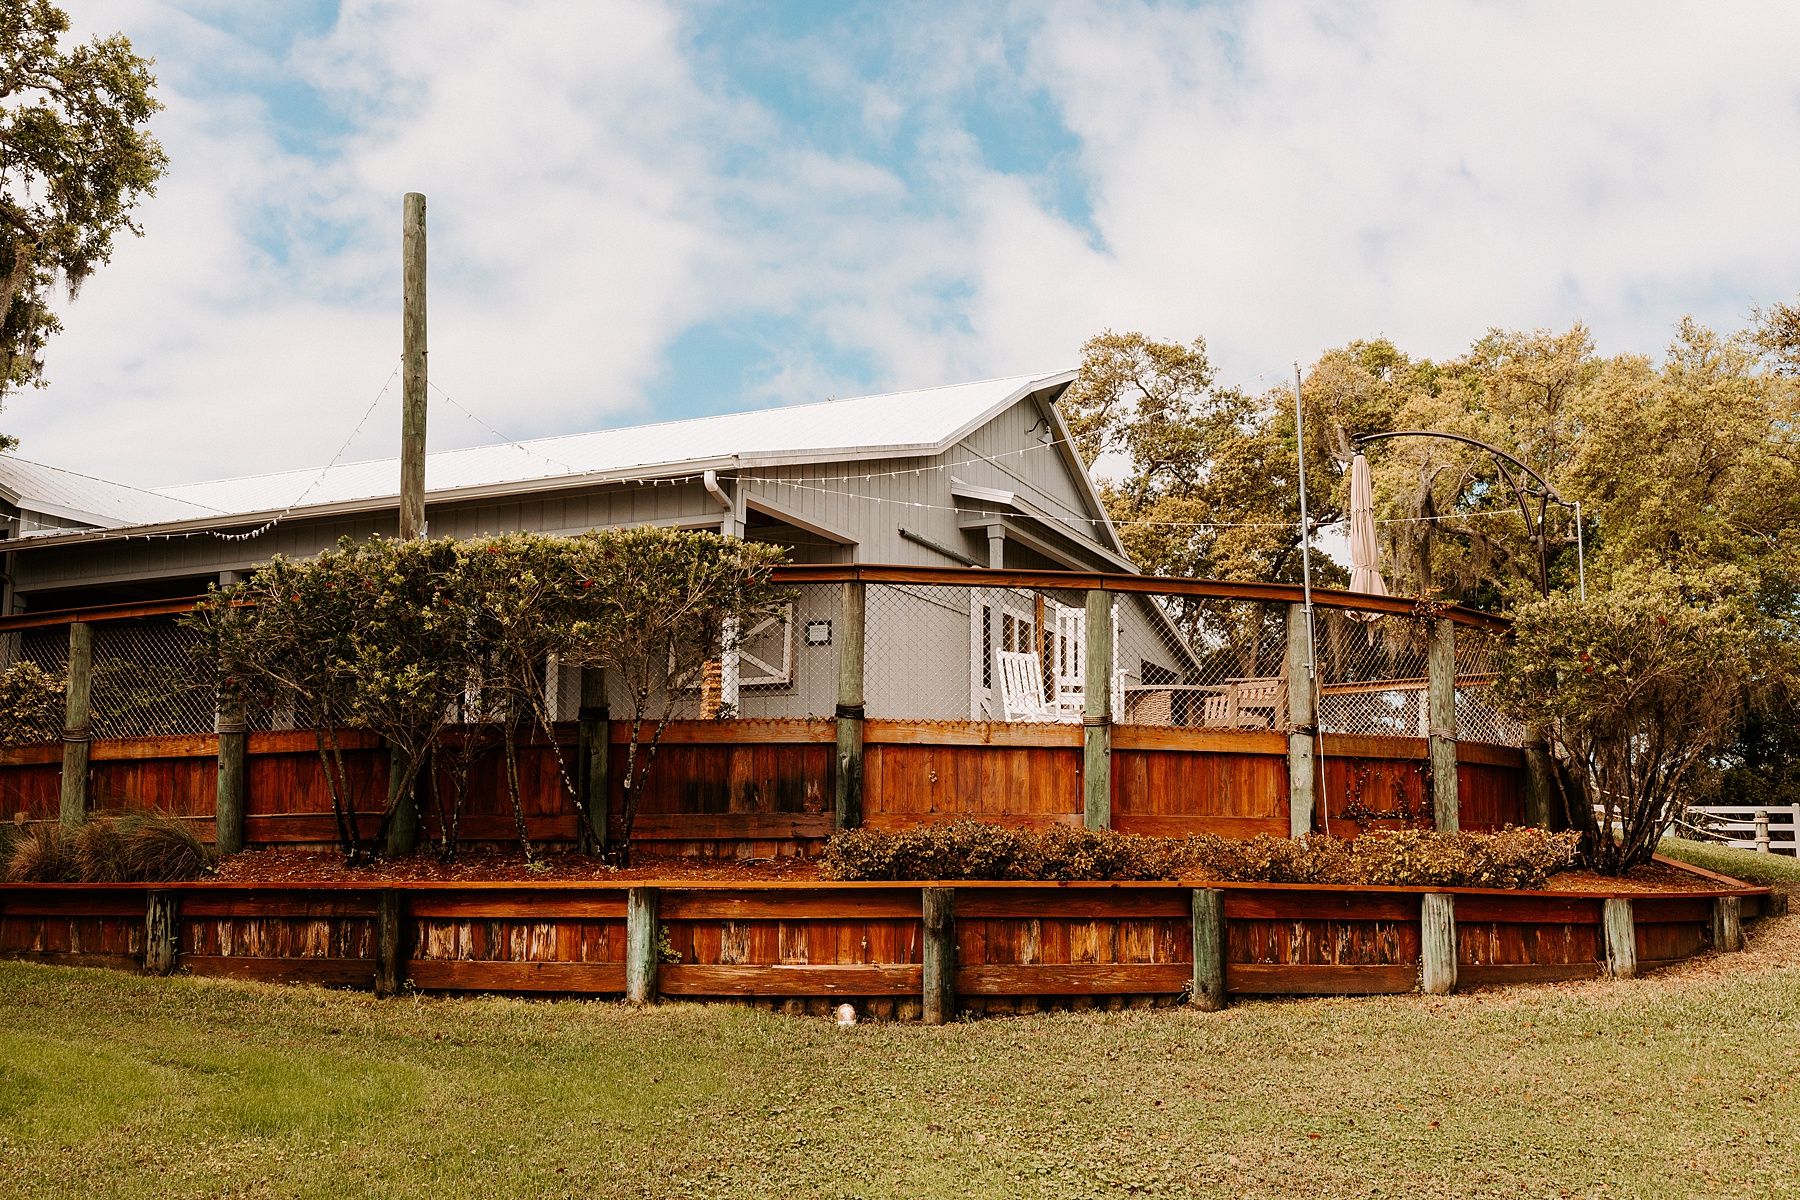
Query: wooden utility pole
point(403, 828)
point(78, 734)
point(412, 371)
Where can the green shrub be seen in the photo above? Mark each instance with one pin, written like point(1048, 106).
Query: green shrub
point(1511, 858)
point(31, 705)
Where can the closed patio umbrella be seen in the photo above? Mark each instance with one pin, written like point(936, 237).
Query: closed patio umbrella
point(1365, 551)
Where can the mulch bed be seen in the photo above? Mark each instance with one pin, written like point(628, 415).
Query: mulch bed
point(506, 866)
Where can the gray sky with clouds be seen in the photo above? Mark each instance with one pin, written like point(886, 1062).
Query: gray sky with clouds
point(644, 210)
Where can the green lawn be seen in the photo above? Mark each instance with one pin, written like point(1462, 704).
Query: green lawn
point(1770, 870)
point(1677, 1085)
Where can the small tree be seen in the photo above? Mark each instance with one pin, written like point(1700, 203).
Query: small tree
point(371, 636)
point(657, 605)
point(31, 705)
point(1637, 687)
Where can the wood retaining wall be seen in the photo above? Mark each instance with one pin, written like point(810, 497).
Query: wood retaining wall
point(1007, 947)
point(765, 788)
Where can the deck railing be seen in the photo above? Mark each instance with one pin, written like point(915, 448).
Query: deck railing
point(1070, 696)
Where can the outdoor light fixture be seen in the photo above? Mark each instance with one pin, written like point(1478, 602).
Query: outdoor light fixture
point(1049, 434)
point(818, 633)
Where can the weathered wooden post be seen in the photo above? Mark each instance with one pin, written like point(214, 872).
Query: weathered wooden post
point(1440, 702)
point(1437, 944)
point(1619, 931)
point(850, 636)
point(641, 956)
point(1303, 721)
point(78, 733)
point(1097, 714)
point(162, 925)
point(1208, 990)
point(1727, 923)
point(403, 828)
point(938, 906)
point(1539, 790)
point(228, 802)
point(1760, 824)
point(593, 759)
point(413, 381)
point(390, 941)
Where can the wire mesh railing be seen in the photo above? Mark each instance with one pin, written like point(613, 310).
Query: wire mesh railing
point(951, 647)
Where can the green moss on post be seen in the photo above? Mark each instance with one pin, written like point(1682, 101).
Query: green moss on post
point(847, 808)
point(1208, 991)
point(1097, 714)
point(162, 925)
point(1437, 944)
point(77, 732)
point(1303, 718)
point(390, 941)
point(1440, 703)
point(939, 998)
point(1619, 930)
point(228, 801)
point(641, 957)
point(1727, 924)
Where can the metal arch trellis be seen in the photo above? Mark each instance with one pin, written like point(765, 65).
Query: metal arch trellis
point(1523, 493)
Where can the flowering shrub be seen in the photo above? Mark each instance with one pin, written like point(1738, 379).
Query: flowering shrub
point(1511, 858)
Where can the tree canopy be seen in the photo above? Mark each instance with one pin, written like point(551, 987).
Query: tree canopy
point(76, 158)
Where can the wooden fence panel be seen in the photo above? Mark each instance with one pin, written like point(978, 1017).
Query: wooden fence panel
point(1175, 792)
point(907, 784)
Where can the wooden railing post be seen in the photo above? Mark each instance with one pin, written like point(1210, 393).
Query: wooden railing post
point(852, 611)
point(77, 728)
point(228, 801)
point(1727, 924)
point(162, 925)
point(1440, 700)
point(938, 905)
point(1303, 721)
point(593, 759)
point(390, 941)
point(1437, 943)
point(1208, 991)
point(1097, 714)
point(1619, 931)
point(403, 829)
point(1538, 786)
point(641, 955)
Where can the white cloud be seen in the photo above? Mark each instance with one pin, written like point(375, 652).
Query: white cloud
point(1280, 178)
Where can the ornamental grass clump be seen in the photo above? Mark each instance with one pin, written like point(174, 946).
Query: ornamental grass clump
point(112, 848)
point(1511, 858)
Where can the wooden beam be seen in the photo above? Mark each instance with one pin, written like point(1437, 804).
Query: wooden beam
point(390, 941)
point(162, 926)
point(1303, 719)
point(641, 954)
point(229, 797)
point(849, 636)
point(1619, 931)
point(1727, 924)
point(1437, 944)
point(938, 994)
point(78, 731)
point(1440, 703)
point(1208, 991)
point(1097, 714)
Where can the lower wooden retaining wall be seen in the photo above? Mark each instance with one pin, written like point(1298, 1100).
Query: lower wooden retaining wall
point(1003, 947)
point(759, 789)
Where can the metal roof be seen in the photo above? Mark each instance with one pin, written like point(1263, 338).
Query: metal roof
point(67, 495)
point(895, 424)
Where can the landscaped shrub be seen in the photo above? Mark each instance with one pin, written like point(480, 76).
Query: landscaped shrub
point(157, 848)
point(31, 705)
point(122, 848)
point(1511, 858)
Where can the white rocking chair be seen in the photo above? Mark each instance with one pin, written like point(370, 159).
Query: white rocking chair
point(1022, 688)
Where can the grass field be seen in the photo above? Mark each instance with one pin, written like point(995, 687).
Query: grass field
point(1681, 1084)
point(1770, 870)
